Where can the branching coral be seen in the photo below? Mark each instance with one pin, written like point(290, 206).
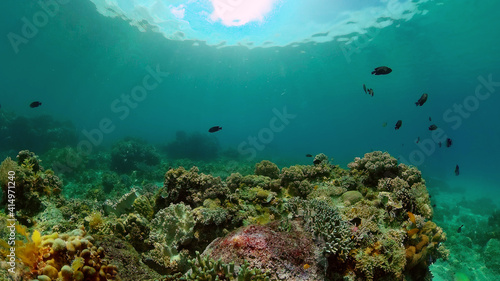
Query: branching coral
point(325, 222)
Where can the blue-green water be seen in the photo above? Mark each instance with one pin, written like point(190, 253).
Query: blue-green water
point(81, 64)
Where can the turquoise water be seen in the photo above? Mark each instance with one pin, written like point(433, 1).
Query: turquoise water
point(81, 63)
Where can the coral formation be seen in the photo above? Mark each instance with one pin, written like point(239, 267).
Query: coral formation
point(492, 255)
point(68, 256)
point(268, 169)
point(190, 187)
point(326, 222)
point(205, 268)
point(32, 184)
point(171, 228)
point(305, 222)
point(283, 254)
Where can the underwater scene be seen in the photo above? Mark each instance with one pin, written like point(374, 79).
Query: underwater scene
point(322, 140)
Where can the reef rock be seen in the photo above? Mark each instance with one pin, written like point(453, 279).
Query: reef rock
point(287, 255)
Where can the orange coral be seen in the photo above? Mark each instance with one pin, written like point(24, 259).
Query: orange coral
point(412, 232)
point(410, 252)
point(423, 242)
point(412, 218)
point(28, 252)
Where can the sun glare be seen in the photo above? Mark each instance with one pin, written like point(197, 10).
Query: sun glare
point(240, 12)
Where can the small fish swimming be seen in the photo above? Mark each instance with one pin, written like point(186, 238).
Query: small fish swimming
point(309, 155)
point(370, 92)
point(432, 127)
point(422, 99)
point(364, 88)
point(418, 140)
point(35, 104)
point(382, 70)
point(449, 142)
point(457, 170)
point(214, 129)
point(460, 228)
point(384, 124)
point(398, 124)
point(430, 119)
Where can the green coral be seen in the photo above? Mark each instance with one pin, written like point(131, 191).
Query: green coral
point(268, 169)
point(377, 165)
point(205, 268)
point(172, 227)
point(190, 187)
point(32, 184)
point(144, 206)
point(323, 221)
point(211, 213)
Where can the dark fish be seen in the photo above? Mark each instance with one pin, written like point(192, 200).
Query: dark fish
point(364, 88)
point(370, 92)
point(432, 127)
point(382, 70)
point(457, 170)
point(214, 129)
point(418, 140)
point(440, 144)
point(434, 206)
point(398, 124)
point(309, 155)
point(460, 229)
point(449, 142)
point(35, 104)
point(422, 100)
point(430, 119)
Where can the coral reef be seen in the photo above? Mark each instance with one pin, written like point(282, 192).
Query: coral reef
point(67, 256)
point(268, 169)
point(205, 268)
point(189, 187)
point(32, 184)
point(377, 165)
point(285, 255)
point(305, 222)
point(171, 228)
point(492, 255)
point(325, 222)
